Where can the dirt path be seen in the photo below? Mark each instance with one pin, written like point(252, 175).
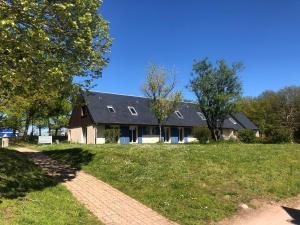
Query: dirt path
point(111, 206)
point(285, 213)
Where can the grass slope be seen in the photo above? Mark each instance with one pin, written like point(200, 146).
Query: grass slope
point(191, 184)
point(29, 196)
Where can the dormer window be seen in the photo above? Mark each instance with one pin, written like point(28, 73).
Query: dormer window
point(232, 121)
point(111, 109)
point(201, 115)
point(132, 111)
point(180, 116)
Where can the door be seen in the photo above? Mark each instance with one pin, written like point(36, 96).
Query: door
point(167, 134)
point(181, 134)
point(133, 134)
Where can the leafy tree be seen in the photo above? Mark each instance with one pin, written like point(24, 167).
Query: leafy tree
point(112, 135)
point(274, 110)
point(159, 87)
point(45, 45)
point(202, 134)
point(289, 108)
point(217, 89)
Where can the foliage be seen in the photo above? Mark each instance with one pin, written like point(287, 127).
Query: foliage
point(195, 184)
point(44, 46)
point(217, 89)
point(247, 135)
point(274, 109)
point(278, 135)
point(159, 87)
point(112, 135)
point(202, 134)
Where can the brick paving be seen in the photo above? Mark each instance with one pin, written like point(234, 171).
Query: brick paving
point(108, 204)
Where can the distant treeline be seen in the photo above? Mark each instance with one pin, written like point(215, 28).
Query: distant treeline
point(275, 110)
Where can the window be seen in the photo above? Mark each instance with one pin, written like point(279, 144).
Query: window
point(132, 111)
point(150, 131)
point(232, 121)
point(84, 111)
point(179, 114)
point(201, 115)
point(111, 109)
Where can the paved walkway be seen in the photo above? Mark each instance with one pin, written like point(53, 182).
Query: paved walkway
point(111, 206)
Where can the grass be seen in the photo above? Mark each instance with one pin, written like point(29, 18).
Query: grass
point(191, 184)
point(29, 196)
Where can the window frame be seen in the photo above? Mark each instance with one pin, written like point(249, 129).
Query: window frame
point(179, 114)
point(111, 107)
point(201, 115)
point(135, 112)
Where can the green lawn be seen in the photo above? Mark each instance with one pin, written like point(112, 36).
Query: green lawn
point(29, 196)
point(191, 184)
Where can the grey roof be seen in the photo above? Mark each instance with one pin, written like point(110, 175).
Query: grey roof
point(97, 105)
point(244, 121)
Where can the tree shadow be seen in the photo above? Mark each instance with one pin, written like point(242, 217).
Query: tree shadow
point(21, 173)
point(74, 157)
point(294, 213)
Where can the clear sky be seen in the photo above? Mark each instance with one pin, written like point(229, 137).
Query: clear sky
point(263, 34)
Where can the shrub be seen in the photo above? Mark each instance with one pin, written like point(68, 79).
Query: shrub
point(278, 135)
point(247, 136)
point(203, 134)
point(112, 135)
point(297, 135)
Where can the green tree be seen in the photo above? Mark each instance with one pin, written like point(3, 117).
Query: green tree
point(159, 87)
point(274, 110)
point(217, 89)
point(45, 45)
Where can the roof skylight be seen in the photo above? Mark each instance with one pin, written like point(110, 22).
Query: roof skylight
point(111, 109)
point(232, 120)
point(180, 116)
point(132, 111)
point(201, 115)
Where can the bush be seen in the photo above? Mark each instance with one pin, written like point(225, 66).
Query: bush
point(278, 135)
point(203, 134)
point(247, 136)
point(297, 135)
point(112, 135)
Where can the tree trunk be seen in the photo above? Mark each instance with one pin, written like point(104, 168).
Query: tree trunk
point(32, 130)
point(56, 132)
point(40, 131)
point(160, 133)
point(49, 128)
point(27, 122)
point(217, 134)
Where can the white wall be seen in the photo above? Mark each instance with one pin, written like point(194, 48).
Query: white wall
point(229, 134)
point(257, 134)
point(91, 135)
point(192, 139)
point(150, 139)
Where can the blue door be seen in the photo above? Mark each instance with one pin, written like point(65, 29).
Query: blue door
point(174, 135)
point(124, 136)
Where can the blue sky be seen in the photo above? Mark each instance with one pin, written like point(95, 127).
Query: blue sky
point(264, 35)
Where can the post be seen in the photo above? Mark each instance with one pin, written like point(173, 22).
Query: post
point(4, 142)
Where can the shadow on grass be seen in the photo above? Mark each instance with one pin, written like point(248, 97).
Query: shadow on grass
point(21, 173)
point(74, 157)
